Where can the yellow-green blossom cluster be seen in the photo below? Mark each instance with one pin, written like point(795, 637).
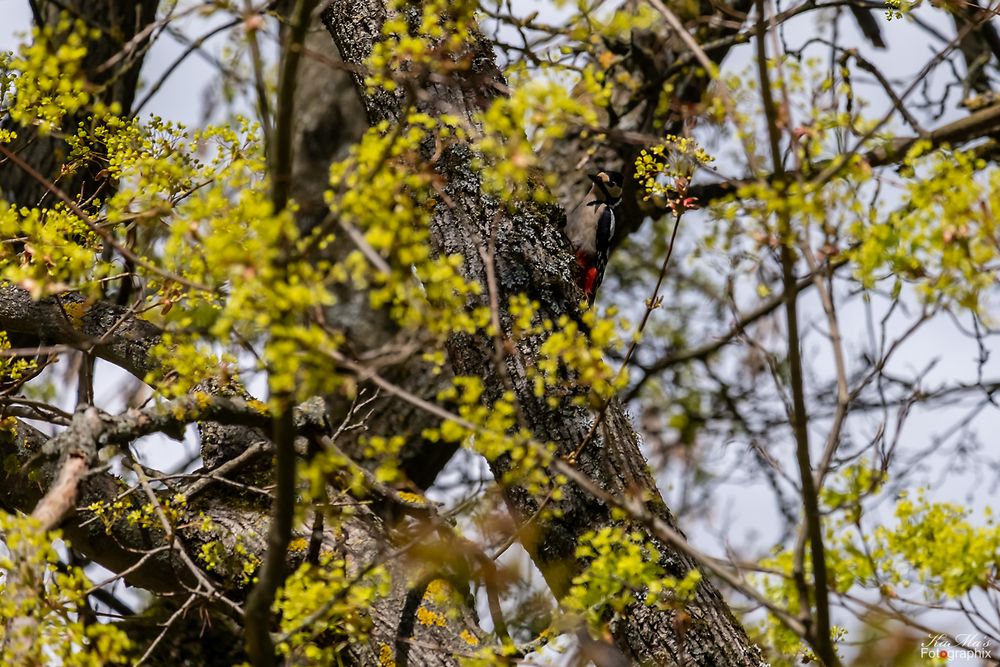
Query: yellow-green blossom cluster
point(491, 429)
point(937, 546)
point(622, 568)
point(47, 251)
point(184, 362)
point(540, 111)
point(50, 83)
point(327, 466)
point(40, 604)
point(943, 236)
point(323, 600)
point(571, 353)
point(388, 192)
point(418, 41)
point(895, 9)
point(666, 169)
point(13, 369)
point(225, 556)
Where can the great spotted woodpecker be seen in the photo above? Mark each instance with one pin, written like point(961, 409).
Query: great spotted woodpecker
point(590, 226)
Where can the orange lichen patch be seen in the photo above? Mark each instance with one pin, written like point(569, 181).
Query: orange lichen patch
point(469, 638)
point(8, 426)
point(75, 312)
point(385, 658)
point(438, 590)
point(427, 616)
point(411, 497)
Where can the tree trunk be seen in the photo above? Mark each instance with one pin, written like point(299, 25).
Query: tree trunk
point(531, 258)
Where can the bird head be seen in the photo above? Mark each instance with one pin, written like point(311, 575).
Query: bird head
point(608, 184)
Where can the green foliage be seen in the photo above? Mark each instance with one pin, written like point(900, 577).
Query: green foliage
point(896, 9)
point(492, 430)
point(934, 547)
point(937, 546)
point(324, 602)
point(223, 274)
point(942, 236)
point(435, 37)
point(239, 289)
point(58, 248)
point(622, 569)
point(50, 81)
point(665, 170)
point(517, 129)
point(385, 172)
point(41, 603)
point(567, 352)
point(14, 370)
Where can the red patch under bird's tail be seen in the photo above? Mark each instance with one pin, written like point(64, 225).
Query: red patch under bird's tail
point(587, 275)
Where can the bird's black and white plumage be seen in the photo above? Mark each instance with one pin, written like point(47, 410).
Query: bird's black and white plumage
point(590, 226)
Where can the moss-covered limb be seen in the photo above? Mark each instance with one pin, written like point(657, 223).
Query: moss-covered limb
point(531, 259)
point(218, 520)
point(231, 527)
point(228, 538)
point(26, 476)
point(92, 429)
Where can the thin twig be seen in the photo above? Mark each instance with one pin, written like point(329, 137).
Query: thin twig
point(191, 48)
point(675, 23)
point(252, 22)
point(259, 644)
point(636, 511)
point(107, 236)
point(820, 634)
point(166, 628)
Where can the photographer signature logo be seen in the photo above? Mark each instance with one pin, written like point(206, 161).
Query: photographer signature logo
point(960, 647)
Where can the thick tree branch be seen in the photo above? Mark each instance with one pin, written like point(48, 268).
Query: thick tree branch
point(111, 332)
point(978, 125)
point(122, 338)
point(329, 119)
point(126, 549)
point(710, 347)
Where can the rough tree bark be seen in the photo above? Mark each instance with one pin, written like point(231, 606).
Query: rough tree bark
point(531, 258)
point(329, 119)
